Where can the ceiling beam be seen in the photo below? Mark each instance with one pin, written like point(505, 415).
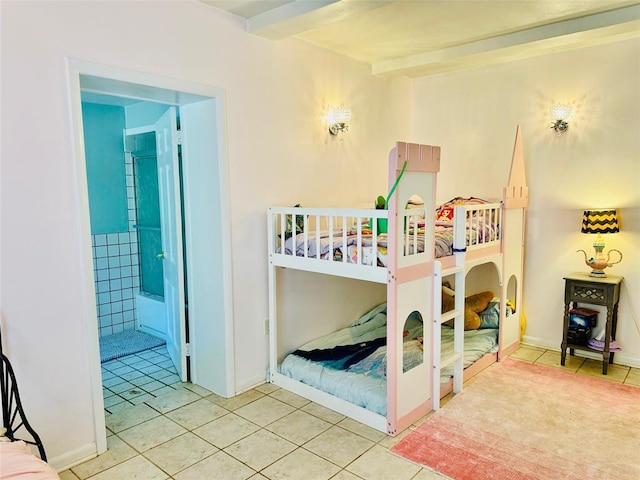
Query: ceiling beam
point(302, 15)
point(580, 32)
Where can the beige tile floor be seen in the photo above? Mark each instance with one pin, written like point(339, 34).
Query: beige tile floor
point(173, 430)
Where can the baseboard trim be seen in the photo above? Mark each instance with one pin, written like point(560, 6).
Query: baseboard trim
point(620, 358)
point(74, 457)
point(250, 383)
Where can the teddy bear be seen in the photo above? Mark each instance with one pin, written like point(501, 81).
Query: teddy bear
point(473, 304)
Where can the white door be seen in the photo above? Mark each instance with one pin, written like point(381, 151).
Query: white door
point(208, 248)
point(171, 229)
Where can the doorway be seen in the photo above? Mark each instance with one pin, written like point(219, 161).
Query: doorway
point(126, 231)
point(206, 221)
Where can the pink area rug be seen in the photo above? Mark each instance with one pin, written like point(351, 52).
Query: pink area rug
point(519, 421)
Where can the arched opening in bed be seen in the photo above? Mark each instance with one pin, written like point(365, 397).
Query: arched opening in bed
point(485, 306)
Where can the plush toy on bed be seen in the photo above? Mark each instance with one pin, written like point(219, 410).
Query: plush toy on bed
point(299, 224)
point(473, 305)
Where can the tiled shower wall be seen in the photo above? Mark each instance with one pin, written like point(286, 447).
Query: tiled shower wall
point(116, 270)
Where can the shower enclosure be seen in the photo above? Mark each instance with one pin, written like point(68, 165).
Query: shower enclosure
point(145, 179)
point(145, 220)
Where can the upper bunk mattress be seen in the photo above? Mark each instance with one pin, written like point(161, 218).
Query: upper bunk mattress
point(336, 243)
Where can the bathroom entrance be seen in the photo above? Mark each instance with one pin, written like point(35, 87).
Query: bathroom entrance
point(135, 204)
point(196, 254)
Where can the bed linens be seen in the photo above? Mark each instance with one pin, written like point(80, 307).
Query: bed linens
point(481, 227)
point(17, 462)
point(477, 343)
point(363, 383)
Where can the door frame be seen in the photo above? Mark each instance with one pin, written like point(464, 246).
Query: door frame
point(120, 82)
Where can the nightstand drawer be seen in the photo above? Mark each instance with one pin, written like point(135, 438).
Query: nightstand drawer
point(594, 294)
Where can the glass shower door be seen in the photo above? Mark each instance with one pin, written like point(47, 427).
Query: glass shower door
point(148, 224)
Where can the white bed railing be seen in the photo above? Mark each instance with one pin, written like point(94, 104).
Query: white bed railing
point(306, 238)
point(300, 231)
point(482, 225)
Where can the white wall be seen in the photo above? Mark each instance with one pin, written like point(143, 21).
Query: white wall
point(279, 153)
point(473, 116)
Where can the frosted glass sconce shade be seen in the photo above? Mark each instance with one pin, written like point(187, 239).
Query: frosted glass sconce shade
point(338, 119)
point(560, 114)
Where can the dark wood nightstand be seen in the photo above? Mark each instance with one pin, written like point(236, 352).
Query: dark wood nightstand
point(583, 288)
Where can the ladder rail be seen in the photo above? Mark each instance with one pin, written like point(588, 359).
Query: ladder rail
point(436, 335)
point(457, 315)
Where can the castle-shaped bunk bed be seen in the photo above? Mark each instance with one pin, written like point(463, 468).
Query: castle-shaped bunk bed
point(356, 320)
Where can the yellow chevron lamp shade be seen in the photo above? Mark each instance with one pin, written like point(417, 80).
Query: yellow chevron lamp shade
point(599, 222)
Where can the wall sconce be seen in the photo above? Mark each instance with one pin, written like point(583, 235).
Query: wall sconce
point(338, 119)
point(560, 114)
point(598, 222)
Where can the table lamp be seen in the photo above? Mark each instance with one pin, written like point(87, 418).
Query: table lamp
point(599, 222)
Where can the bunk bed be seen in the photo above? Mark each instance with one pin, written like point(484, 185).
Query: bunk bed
point(356, 320)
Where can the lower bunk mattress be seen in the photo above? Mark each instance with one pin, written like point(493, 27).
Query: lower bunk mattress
point(351, 363)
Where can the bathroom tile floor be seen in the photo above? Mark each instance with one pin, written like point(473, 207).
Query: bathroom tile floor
point(160, 428)
point(137, 378)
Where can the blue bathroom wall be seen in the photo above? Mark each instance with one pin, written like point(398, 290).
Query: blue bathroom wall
point(104, 150)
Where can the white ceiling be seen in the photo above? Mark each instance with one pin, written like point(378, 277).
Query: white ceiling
point(423, 37)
